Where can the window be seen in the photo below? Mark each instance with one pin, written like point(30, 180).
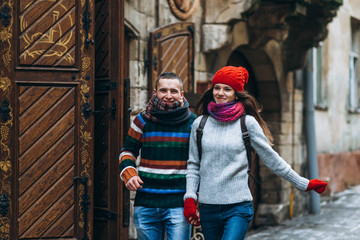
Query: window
point(354, 98)
point(319, 83)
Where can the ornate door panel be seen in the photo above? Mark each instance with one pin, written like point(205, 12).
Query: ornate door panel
point(171, 50)
point(46, 77)
point(46, 161)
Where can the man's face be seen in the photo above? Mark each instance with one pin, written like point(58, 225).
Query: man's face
point(169, 90)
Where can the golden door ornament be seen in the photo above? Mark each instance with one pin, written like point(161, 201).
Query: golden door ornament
point(6, 121)
point(85, 136)
point(37, 45)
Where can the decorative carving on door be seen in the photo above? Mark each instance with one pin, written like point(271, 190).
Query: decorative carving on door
point(5, 83)
point(85, 202)
point(6, 123)
point(85, 135)
point(51, 43)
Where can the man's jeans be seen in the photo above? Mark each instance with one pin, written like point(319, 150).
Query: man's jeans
point(226, 222)
point(152, 223)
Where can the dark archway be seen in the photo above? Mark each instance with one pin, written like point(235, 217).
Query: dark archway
point(237, 58)
point(264, 86)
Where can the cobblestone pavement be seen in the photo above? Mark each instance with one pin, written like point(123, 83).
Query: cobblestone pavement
point(339, 219)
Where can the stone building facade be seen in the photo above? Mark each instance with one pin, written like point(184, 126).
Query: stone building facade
point(337, 104)
point(271, 39)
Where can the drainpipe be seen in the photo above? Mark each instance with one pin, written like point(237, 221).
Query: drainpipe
point(310, 133)
point(157, 5)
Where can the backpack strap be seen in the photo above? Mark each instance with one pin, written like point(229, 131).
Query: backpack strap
point(246, 139)
point(199, 133)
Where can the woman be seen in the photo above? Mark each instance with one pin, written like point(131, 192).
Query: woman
point(225, 200)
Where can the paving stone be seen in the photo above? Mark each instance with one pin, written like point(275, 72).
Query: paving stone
point(339, 219)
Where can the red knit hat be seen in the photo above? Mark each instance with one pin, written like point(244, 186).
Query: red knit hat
point(235, 77)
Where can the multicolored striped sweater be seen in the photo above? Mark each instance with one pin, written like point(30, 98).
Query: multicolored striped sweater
point(163, 161)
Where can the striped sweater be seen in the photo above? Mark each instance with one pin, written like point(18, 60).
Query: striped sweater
point(163, 161)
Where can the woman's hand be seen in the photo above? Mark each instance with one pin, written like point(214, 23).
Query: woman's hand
point(316, 185)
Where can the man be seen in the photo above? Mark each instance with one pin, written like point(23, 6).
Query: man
point(162, 133)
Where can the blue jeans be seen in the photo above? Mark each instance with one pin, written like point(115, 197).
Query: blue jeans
point(226, 222)
point(152, 223)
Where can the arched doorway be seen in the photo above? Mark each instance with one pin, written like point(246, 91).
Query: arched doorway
point(263, 85)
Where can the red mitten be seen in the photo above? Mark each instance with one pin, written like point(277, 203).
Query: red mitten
point(190, 210)
point(317, 185)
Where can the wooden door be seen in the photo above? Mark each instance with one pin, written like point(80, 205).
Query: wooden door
point(47, 96)
point(109, 86)
point(172, 50)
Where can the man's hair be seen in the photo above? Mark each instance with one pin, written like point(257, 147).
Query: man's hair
point(168, 75)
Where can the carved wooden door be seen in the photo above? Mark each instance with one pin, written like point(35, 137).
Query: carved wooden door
point(172, 50)
point(109, 208)
point(47, 96)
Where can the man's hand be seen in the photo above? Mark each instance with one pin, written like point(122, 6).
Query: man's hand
point(191, 213)
point(134, 183)
point(195, 221)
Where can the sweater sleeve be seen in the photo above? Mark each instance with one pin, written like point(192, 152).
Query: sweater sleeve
point(193, 164)
point(270, 157)
point(130, 151)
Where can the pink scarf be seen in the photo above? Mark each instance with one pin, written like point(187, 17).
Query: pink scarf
point(226, 112)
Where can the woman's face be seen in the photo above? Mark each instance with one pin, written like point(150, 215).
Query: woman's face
point(223, 93)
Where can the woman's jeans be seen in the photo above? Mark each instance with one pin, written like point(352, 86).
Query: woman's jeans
point(152, 223)
point(226, 222)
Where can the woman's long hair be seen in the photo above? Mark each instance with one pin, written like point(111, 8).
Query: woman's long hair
point(252, 107)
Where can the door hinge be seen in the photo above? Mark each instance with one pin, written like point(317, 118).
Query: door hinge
point(87, 111)
point(113, 109)
point(5, 15)
point(5, 110)
point(156, 37)
point(105, 214)
point(105, 86)
point(4, 205)
point(86, 20)
point(155, 63)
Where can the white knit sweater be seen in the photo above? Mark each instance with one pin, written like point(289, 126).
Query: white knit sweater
point(222, 173)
